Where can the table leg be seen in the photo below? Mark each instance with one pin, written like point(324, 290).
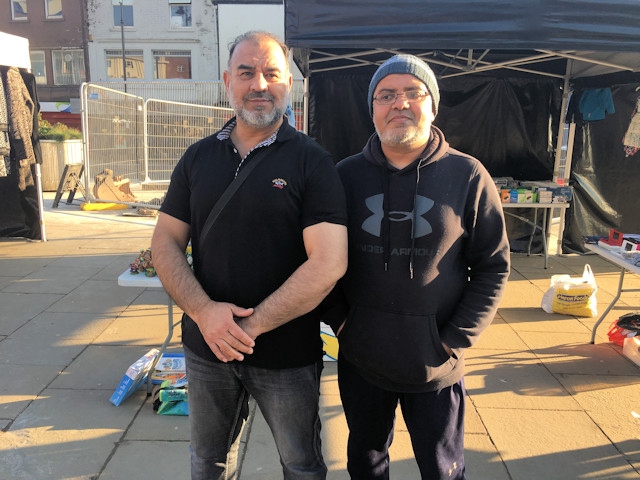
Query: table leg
point(164, 344)
point(608, 309)
point(533, 231)
point(544, 237)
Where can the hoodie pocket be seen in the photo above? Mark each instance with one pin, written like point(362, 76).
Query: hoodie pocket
point(401, 348)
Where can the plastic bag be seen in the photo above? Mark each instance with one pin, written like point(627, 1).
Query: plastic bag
point(572, 295)
point(170, 399)
point(626, 326)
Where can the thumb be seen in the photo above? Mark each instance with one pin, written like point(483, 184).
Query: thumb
point(241, 312)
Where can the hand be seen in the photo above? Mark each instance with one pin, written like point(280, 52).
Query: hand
point(340, 328)
point(223, 335)
point(447, 349)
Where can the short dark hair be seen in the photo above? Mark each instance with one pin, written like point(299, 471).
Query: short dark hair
point(257, 36)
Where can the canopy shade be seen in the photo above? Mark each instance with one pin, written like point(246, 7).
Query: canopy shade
point(466, 37)
point(505, 71)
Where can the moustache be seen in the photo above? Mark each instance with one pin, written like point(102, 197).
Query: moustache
point(263, 95)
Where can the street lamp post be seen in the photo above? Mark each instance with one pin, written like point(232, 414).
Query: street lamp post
point(124, 59)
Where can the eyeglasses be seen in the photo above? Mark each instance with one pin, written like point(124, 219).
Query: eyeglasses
point(412, 96)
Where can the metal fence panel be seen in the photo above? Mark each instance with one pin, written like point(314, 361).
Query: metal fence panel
point(171, 127)
point(139, 130)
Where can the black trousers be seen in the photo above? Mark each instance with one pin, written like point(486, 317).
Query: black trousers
point(435, 421)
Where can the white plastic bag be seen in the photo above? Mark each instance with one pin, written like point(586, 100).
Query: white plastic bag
point(572, 295)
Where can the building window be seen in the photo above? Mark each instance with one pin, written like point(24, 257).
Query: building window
point(68, 67)
point(122, 13)
point(180, 16)
point(134, 61)
point(53, 9)
point(38, 67)
point(171, 64)
point(19, 10)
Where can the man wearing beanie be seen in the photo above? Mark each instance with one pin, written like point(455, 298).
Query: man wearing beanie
point(428, 263)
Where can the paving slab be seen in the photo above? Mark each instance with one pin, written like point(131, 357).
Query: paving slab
point(543, 403)
point(99, 367)
point(551, 444)
point(64, 434)
point(20, 385)
point(95, 296)
point(507, 379)
point(18, 308)
point(52, 338)
point(148, 460)
point(139, 326)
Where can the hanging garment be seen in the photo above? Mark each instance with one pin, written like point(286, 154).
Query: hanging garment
point(596, 103)
point(5, 146)
point(21, 110)
point(631, 138)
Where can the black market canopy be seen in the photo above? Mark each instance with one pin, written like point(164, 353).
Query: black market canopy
point(464, 36)
point(505, 70)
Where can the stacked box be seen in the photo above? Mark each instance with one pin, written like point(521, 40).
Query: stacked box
point(134, 377)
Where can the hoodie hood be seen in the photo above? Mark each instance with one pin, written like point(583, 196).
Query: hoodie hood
point(435, 149)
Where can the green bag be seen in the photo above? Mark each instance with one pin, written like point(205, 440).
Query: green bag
point(170, 399)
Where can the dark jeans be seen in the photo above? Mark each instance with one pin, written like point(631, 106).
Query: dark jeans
point(218, 407)
point(435, 421)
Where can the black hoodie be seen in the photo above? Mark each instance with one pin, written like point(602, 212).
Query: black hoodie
point(428, 262)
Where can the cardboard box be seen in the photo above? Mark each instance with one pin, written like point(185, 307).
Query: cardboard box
point(134, 377)
point(631, 349)
point(560, 194)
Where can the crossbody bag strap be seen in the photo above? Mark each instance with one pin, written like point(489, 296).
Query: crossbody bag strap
point(231, 190)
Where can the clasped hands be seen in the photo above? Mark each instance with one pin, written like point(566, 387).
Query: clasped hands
point(221, 328)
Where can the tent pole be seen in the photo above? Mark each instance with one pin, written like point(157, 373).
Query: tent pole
point(305, 106)
point(43, 234)
point(559, 142)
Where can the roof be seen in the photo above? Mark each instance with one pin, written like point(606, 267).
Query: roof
point(458, 37)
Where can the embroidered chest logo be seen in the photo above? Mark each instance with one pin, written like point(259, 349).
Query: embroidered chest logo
point(279, 183)
point(373, 224)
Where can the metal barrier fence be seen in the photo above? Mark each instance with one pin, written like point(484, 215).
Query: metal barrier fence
point(133, 140)
point(171, 127)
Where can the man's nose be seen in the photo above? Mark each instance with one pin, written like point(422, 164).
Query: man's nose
point(259, 82)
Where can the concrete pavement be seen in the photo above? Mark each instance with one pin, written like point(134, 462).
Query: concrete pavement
point(543, 402)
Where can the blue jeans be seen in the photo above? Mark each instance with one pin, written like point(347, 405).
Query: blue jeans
point(219, 406)
point(435, 421)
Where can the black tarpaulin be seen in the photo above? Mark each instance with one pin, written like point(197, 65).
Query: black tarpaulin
point(503, 68)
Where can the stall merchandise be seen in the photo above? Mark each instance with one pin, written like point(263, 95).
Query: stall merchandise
point(20, 155)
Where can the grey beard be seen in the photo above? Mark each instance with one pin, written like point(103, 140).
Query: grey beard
point(260, 119)
point(410, 136)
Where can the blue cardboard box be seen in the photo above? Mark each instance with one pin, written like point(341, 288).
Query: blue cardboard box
point(134, 377)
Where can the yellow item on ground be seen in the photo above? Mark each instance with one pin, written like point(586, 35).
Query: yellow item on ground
point(97, 206)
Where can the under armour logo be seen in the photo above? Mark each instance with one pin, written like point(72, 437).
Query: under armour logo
point(373, 224)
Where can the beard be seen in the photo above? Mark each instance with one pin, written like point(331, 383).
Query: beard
point(259, 118)
point(408, 136)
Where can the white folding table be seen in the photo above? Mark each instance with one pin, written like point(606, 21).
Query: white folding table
point(546, 212)
point(128, 279)
point(618, 260)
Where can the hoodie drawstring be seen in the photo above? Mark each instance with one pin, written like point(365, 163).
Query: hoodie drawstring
point(386, 224)
point(414, 219)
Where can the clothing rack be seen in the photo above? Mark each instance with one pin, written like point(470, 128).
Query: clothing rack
point(15, 53)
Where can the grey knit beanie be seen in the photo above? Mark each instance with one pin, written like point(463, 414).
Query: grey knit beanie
point(406, 64)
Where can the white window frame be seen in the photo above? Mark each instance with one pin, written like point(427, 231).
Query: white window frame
point(172, 17)
point(52, 16)
point(14, 16)
point(74, 56)
point(156, 54)
point(116, 56)
point(40, 79)
point(122, 4)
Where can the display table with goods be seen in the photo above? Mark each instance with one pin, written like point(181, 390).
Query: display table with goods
point(626, 260)
point(141, 273)
point(540, 197)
